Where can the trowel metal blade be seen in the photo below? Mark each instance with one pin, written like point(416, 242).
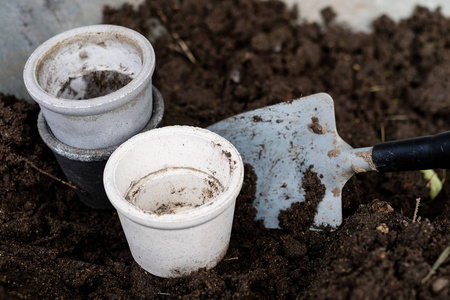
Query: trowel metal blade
point(281, 142)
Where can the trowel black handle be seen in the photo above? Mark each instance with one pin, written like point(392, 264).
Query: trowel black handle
point(422, 153)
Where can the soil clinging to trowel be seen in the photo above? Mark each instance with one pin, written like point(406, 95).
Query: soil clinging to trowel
point(315, 126)
point(250, 54)
point(300, 216)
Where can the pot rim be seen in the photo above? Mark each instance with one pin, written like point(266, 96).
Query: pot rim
point(184, 219)
point(96, 105)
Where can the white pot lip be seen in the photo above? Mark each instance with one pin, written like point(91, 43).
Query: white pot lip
point(183, 219)
point(95, 105)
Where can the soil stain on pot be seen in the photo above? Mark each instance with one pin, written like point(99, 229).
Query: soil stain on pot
point(52, 246)
point(94, 84)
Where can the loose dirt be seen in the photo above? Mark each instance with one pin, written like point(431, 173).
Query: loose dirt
point(315, 126)
point(249, 54)
point(93, 84)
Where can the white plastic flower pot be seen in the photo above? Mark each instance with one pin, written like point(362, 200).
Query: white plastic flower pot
point(175, 189)
point(93, 84)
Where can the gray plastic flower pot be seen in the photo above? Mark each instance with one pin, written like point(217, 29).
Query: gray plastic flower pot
point(84, 167)
point(93, 84)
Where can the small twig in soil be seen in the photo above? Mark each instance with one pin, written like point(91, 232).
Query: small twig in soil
point(397, 118)
point(165, 294)
point(231, 258)
point(185, 48)
point(175, 48)
point(48, 174)
point(382, 132)
point(416, 210)
point(177, 38)
point(377, 88)
point(437, 264)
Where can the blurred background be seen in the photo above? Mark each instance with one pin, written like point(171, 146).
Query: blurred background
point(25, 24)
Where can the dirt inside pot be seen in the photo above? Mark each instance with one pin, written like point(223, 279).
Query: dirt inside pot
point(173, 190)
point(248, 54)
point(93, 84)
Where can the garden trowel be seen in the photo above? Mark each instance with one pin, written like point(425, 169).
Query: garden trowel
point(282, 141)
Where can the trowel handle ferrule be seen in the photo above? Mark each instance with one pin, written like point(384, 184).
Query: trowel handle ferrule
point(422, 153)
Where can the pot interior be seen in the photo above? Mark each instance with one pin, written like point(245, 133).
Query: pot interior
point(172, 190)
point(89, 65)
point(167, 174)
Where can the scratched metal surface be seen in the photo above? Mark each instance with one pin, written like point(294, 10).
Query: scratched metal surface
point(280, 143)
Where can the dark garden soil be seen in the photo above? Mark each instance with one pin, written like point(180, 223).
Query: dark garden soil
point(242, 55)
